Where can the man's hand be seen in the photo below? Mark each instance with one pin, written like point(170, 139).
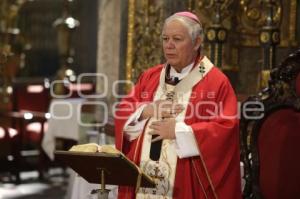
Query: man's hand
point(161, 109)
point(165, 129)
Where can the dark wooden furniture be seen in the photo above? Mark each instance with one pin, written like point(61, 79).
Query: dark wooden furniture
point(30, 101)
point(9, 155)
point(270, 137)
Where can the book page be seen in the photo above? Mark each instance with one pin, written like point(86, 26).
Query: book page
point(93, 148)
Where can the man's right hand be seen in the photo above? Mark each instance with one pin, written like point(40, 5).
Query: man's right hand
point(161, 109)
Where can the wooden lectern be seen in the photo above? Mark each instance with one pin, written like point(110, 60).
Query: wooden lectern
point(105, 168)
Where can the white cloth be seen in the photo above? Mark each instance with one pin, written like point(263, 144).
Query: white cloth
point(133, 131)
point(63, 123)
point(79, 188)
point(184, 72)
point(186, 145)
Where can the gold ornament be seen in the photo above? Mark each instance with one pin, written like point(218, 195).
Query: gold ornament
point(275, 37)
point(264, 37)
point(221, 35)
point(211, 35)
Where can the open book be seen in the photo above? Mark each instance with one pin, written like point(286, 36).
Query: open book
point(93, 148)
point(90, 160)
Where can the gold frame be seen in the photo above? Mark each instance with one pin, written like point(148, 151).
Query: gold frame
point(129, 54)
point(291, 40)
point(143, 41)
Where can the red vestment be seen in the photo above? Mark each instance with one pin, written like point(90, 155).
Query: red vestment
point(216, 172)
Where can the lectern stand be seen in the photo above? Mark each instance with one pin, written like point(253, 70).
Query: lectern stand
point(105, 168)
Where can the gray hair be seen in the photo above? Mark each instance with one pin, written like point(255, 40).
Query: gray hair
point(194, 28)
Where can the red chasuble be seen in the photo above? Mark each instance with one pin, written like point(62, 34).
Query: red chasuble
point(215, 173)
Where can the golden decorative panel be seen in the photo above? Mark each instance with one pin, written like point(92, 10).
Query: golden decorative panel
point(243, 20)
point(288, 26)
point(144, 36)
point(251, 17)
point(207, 11)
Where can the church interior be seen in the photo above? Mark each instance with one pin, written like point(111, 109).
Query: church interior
point(65, 65)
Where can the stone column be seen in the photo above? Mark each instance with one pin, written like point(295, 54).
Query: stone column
point(108, 51)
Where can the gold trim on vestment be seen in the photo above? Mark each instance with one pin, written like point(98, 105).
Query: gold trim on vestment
point(199, 180)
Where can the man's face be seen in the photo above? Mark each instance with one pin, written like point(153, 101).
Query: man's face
point(178, 47)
